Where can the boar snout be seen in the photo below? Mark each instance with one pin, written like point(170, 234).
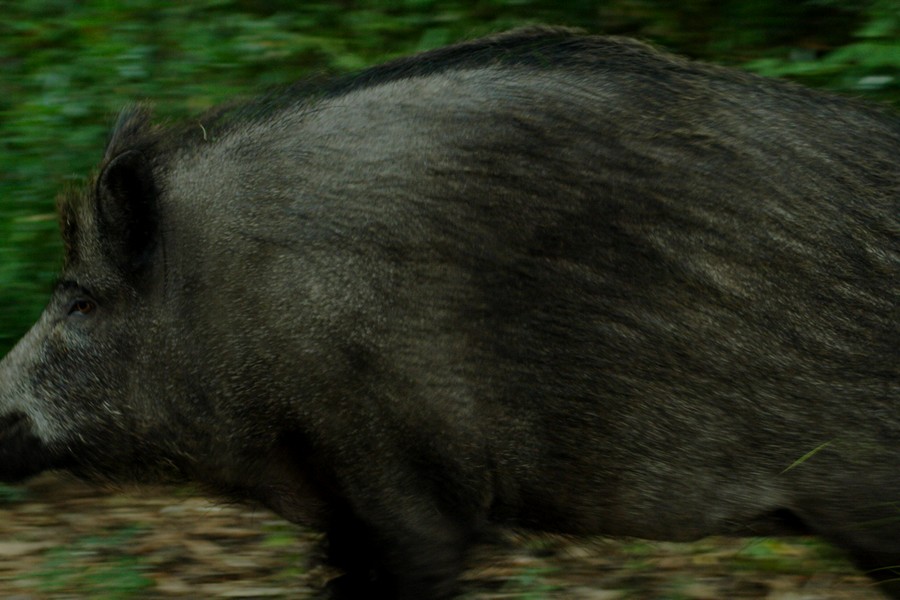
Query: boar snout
point(21, 453)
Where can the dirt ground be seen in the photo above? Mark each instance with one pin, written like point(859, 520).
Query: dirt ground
point(63, 539)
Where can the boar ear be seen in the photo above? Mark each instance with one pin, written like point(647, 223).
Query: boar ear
point(127, 210)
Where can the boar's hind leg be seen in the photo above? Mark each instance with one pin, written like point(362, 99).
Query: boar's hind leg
point(871, 557)
point(883, 568)
point(868, 529)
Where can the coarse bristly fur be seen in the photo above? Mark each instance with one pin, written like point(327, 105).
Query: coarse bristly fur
point(542, 278)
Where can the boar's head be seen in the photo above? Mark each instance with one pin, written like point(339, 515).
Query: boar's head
point(74, 392)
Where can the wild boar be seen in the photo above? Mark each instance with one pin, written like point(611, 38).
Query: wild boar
point(560, 281)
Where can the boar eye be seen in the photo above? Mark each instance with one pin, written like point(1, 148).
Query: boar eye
point(82, 307)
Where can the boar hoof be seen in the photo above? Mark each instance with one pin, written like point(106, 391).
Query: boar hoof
point(351, 587)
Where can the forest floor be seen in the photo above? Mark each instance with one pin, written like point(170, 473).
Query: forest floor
point(63, 539)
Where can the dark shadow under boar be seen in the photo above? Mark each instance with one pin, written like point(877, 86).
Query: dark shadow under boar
point(560, 281)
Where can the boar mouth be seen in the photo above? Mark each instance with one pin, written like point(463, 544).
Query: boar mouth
point(22, 454)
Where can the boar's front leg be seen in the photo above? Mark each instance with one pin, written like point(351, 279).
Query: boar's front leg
point(403, 515)
point(413, 559)
point(398, 518)
point(409, 550)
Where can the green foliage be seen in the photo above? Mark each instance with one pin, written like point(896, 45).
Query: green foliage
point(69, 67)
point(531, 583)
point(789, 556)
point(10, 494)
point(74, 569)
point(869, 64)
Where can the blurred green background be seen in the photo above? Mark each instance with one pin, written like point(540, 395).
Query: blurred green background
point(68, 67)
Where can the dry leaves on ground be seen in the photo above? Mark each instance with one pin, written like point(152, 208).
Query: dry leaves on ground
point(64, 539)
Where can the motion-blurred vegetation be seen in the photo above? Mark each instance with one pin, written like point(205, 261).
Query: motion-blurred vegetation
point(68, 67)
